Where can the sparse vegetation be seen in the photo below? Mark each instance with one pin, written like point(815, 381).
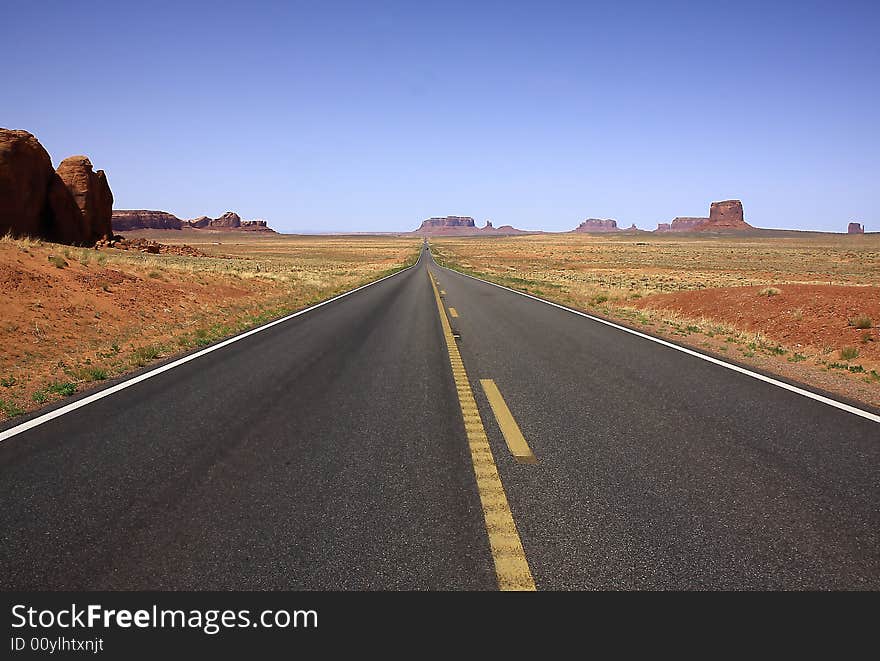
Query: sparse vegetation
point(65, 389)
point(861, 321)
point(10, 409)
point(58, 261)
point(849, 353)
point(143, 355)
point(702, 288)
point(769, 291)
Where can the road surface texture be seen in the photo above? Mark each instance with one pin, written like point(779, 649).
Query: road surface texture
point(330, 452)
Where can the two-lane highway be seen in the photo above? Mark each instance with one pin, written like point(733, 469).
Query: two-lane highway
point(336, 450)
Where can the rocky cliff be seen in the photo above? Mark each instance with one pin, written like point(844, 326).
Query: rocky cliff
point(71, 205)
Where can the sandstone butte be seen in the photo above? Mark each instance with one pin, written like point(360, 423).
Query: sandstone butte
point(597, 225)
point(855, 228)
point(462, 226)
point(72, 204)
point(725, 216)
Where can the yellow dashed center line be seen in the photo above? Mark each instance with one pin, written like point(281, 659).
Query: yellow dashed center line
point(453, 313)
point(511, 566)
point(512, 434)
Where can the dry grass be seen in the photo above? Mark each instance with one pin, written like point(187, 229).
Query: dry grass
point(622, 276)
point(111, 311)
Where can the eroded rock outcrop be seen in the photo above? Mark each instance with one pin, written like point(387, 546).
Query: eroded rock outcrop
point(25, 176)
point(686, 223)
point(71, 205)
point(461, 225)
point(597, 225)
point(725, 215)
point(92, 196)
point(439, 224)
point(125, 220)
point(228, 220)
point(256, 226)
point(855, 228)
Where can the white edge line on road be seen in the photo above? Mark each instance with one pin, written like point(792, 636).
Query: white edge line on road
point(736, 368)
point(85, 401)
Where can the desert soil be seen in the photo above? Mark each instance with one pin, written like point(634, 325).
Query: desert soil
point(72, 317)
point(794, 304)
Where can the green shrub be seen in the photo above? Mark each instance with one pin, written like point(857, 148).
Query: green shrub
point(848, 353)
point(10, 409)
point(63, 389)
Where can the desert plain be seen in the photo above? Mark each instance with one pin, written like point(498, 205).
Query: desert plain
point(800, 305)
point(72, 318)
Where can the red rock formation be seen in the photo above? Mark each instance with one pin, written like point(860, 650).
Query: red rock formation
point(125, 220)
point(723, 217)
point(256, 226)
point(462, 226)
point(448, 225)
point(72, 205)
point(200, 222)
point(726, 215)
point(25, 176)
point(855, 228)
point(228, 220)
point(597, 225)
point(64, 220)
point(92, 196)
point(686, 223)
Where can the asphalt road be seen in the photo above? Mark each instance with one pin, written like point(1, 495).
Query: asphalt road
point(329, 452)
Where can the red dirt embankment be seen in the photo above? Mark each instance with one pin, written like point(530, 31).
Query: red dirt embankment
point(79, 317)
point(813, 317)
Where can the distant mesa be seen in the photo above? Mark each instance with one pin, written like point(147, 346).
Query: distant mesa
point(686, 223)
point(69, 205)
point(855, 228)
point(228, 221)
point(461, 226)
point(126, 220)
point(725, 216)
point(597, 225)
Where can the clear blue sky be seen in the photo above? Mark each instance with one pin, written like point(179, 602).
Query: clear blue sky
point(324, 116)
